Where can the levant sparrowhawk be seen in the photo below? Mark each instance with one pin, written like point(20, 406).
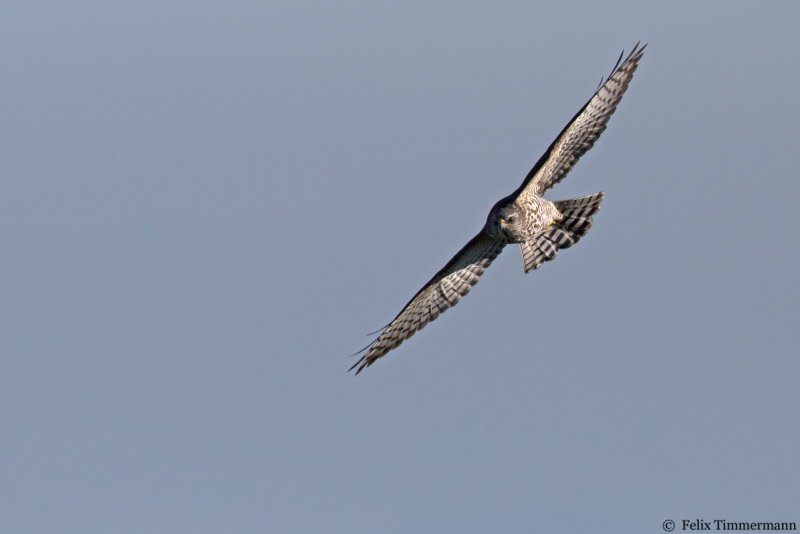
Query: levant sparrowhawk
point(541, 227)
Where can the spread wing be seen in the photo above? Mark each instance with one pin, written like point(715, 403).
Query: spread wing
point(443, 291)
point(583, 130)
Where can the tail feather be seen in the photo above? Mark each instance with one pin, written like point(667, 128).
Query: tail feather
point(565, 232)
point(581, 206)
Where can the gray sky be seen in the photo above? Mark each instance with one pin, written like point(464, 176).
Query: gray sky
point(204, 208)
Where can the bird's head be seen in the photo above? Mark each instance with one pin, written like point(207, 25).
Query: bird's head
point(505, 222)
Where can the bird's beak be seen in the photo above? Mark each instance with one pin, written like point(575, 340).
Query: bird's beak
point(502, 221)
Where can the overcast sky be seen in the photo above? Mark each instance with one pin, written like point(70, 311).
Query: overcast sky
point(204, 207)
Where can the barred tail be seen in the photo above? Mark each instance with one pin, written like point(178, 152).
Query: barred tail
point(565, 232)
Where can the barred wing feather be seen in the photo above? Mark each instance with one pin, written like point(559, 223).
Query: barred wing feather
point(442, 292)
point(583, 130)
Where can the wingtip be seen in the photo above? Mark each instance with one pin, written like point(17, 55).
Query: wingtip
point(633, 56)
point(637, 51)
point(361, 364)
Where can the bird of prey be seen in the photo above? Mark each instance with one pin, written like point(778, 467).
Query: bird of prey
point(539, 226)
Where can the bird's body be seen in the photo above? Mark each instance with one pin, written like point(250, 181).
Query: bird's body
point(539, 226)
point(514, 220)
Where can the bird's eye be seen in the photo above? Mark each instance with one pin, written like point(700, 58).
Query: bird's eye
point(510, 219)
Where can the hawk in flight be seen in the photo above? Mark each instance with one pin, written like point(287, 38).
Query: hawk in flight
point(541, 227)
